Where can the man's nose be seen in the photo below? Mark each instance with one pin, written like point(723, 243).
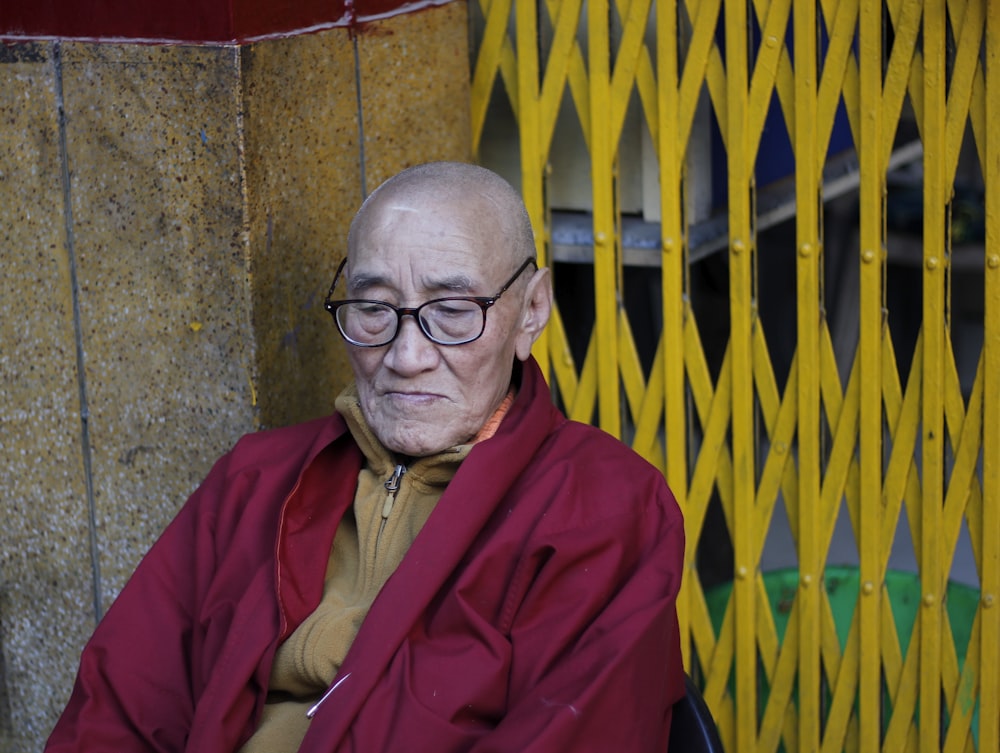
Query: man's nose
point(411, 352)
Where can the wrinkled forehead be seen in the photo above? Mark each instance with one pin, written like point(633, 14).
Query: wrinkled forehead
point(427, 246)
point(467, 228)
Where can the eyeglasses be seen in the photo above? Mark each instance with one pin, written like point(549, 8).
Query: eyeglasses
point(445, 321)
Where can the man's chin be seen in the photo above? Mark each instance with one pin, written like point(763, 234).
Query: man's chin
point(415, 438)
point(415, 449)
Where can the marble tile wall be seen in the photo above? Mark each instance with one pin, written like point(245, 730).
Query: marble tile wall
point(414, 120)
point(175, 234)
point(159, 241)
point(46, 583)
point(301, 125)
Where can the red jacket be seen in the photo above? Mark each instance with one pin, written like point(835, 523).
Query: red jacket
point(534, 612)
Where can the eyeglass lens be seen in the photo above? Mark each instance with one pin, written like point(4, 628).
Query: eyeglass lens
point(445, 321)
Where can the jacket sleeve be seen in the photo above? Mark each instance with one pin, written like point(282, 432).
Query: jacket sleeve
point(595, 645)
point(134, 687)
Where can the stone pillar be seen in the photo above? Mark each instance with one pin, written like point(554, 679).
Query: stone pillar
point(171, 216)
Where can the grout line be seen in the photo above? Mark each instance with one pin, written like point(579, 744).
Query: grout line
point(95, 564)
point(247, 361)
point(361, 118)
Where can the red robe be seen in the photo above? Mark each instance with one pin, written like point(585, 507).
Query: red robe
point(534, 612)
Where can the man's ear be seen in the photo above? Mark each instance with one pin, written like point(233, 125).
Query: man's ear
point(535, 312)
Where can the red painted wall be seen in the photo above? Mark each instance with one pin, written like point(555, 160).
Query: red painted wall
point(192, 21)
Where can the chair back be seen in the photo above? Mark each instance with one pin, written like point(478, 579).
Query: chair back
point(692, 726)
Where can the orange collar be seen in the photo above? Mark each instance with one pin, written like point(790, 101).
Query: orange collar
point(493, 422)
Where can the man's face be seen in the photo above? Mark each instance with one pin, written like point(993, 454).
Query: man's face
point(417, 396)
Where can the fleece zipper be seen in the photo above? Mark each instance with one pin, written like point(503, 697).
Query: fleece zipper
point(391, 486)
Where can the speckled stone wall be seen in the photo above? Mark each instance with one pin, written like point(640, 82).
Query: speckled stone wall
point(174, 234)
point(416, 115)
point(46, 596)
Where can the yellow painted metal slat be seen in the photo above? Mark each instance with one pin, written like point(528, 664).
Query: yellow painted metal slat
point(493, 45)
point(649, 418)
point(582, 407)
point(841, 409)
point(964, 432)
point(703, 66)
point(563, 55)
point(872, 162)
point(565, 62)
point(632, 56)
point(741, 274)
point(904, 73)
point(840, 72)
point(713, 467)
point(959, 698)
point(901, 478)
point(545, 97)
point(670, 151)
point(779, 419)
point(932, 449)
point(842, 467)
point(968, 18)
point(989, 561)
point(642, 402)
point(602, 157)
point(974, 505)
point(902, 679)
point(909, 490)
point(772, 71)
point(533, 154)
point(778, 660)
point(841, 724)
point(715, 691)
point(808, 179)
point(563, 369)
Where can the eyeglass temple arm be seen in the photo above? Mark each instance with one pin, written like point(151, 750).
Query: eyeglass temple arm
point(336, 279)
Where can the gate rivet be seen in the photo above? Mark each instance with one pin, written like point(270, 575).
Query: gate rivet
point(868, 588)
point(987, 601)
point(807, 580)
point(928, 600)
point(993, 261)
point(932, 262)
point(738, 247)
point(868, 256)
point(600, 239)
point(742, 573)
point(805, 250)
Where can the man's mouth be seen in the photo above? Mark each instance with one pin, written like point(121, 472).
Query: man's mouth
point(411, 397)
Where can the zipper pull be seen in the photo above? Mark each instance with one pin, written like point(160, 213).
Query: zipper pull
point(312, 712)
point(392, 486)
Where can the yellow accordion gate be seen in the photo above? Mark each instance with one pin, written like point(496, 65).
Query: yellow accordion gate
point(895, 444)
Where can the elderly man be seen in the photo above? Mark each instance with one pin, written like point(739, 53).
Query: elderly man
point(446, 564)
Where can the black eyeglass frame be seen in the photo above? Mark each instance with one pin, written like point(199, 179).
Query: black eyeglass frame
point(484, 303)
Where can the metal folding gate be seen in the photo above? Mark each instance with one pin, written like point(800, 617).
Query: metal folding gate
point(894, 443)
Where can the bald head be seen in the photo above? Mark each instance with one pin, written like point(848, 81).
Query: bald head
point(451, 187)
